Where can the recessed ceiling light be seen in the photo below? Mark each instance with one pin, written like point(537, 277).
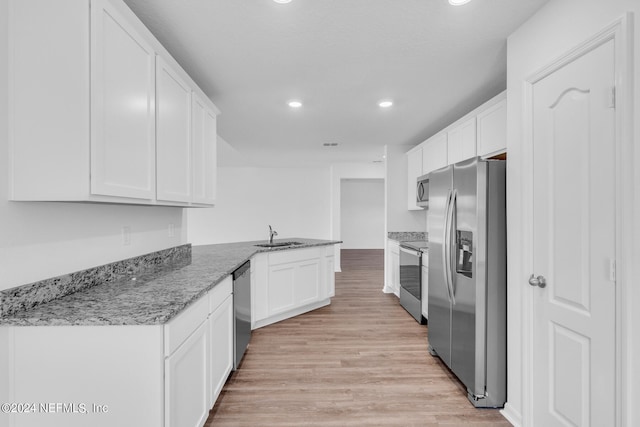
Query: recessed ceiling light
point(295, 104)
point(282, 1)
point(385, 104)
point(458, 2)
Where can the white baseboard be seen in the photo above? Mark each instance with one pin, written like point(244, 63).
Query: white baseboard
point(513, 416)
point(291, 313)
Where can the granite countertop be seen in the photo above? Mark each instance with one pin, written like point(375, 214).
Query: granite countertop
point(151, 298)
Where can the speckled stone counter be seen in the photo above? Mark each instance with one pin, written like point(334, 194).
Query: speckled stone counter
point(152, 297)
point(406, 236)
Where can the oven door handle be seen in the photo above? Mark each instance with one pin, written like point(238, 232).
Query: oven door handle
point(411, 252)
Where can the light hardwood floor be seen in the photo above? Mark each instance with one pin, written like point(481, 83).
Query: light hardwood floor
point(362, 361)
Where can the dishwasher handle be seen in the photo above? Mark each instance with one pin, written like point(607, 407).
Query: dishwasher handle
point(242, 270)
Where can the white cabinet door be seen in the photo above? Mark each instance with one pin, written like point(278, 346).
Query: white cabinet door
point(294, 279)
point(330, 274)
point(414, 170)
point(221, 347)
point(173, 141)
point(281, 285)
point(49, 109)
point(434, 153)
point(204, 161)
point(122, 107)
point(293, 285)
point(307, 279)
point(492, 129)
point(462, 141)
point(187, 382)
point(259, 288)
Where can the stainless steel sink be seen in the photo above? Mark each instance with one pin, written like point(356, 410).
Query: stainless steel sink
point(277, 244)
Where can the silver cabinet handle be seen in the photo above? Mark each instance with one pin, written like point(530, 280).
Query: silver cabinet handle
point(539, 281)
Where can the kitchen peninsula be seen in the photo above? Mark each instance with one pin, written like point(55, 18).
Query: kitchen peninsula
point(153, 347)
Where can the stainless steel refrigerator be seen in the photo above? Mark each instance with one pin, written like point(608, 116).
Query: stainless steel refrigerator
point(467, 276)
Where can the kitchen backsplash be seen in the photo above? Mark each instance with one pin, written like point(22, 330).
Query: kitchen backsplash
point(406, 236)
point(28, 296)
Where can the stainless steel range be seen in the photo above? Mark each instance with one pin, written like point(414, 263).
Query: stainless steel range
point(411, 278)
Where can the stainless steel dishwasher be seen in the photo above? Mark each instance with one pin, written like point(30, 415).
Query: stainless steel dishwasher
point(241, 310)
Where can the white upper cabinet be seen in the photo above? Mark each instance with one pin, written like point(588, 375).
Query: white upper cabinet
point(122, 107)
point(204, 153)
point(492, 130)
point(414, 170)
point(111, 122)
point(461, 141)
point(435, 153)
point(482, 132)
point(174, 135)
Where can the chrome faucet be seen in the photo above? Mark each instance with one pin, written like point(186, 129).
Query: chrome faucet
point(272, 233)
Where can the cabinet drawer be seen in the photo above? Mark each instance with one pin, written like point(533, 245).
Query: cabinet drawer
point(220, 292)
point(294, 255)
point(180, 327)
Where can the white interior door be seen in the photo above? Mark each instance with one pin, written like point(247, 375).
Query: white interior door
point(574, 190)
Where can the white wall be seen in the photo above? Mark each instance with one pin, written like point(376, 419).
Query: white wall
point(399, 218)
point(362, 213)
point(295, 201)
point(39, 240)
point(555, 29)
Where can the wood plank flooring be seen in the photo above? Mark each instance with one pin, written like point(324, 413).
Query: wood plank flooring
point(362, 361)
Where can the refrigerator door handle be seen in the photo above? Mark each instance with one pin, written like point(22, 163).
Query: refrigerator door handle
point(452, 242)
point(449, 231)
point(446, 247)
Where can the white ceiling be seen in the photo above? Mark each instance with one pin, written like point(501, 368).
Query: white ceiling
point(339, 57)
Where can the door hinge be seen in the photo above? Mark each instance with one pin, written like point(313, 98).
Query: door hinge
point(612, 97)
point(612, 270)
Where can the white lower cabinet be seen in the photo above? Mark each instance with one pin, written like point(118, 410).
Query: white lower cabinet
point(186, 381)
point(105, 375)
point(220, 337)
point(329, 279)
point(291, 282)
point(148, 376)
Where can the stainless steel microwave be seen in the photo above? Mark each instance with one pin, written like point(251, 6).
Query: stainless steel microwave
point(422, 191)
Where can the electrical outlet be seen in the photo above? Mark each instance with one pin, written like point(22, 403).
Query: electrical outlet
point(126, 235)
point(171, 230)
